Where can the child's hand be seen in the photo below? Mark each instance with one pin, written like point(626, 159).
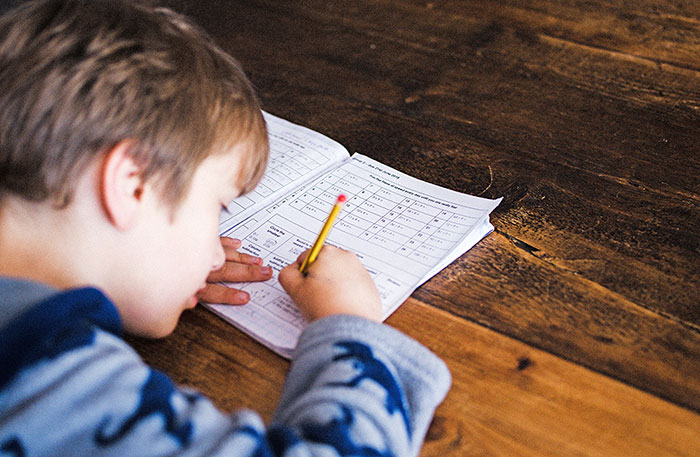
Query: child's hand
point(239, 267)
point(336, 283)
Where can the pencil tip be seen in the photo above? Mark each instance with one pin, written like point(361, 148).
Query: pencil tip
point(342, 198)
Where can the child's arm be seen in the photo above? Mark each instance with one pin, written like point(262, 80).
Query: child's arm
point(355, 387)
point(239, 267)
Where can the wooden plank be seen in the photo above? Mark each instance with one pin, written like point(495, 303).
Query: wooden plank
point(584, 116)
point(511, 399)
point(551, 308)
point(558, 288)
point(540, 114)
point(507, 398)
point(661, 32)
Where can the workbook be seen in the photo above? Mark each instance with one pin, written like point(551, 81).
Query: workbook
point(403, 230)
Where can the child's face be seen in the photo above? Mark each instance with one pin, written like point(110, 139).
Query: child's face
point(176, 253)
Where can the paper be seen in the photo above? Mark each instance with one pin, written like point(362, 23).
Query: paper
point(297, 154)
point(403, 230)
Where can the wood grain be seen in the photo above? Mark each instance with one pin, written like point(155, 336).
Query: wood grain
point(511, 399)
point(507, 397)
point(585, 117)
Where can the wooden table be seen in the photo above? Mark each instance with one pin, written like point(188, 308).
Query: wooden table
point(574, 328)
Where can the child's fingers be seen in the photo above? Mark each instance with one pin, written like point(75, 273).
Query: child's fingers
point(240, 272)
point(216, 293)
point(290, 278)
point(301, 258)
point(336, 283)
point(327, 252)
point(241, 257)
point(231, 246)
point(228, 242)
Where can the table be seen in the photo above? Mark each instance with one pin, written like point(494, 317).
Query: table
point(574, 328)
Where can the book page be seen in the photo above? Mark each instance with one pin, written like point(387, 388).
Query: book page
point(297, 154)
point(403, 230)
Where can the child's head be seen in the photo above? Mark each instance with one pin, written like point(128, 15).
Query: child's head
point(87, 83)
point(80, 76)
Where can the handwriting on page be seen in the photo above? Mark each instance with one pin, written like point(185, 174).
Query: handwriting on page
point(399, 232)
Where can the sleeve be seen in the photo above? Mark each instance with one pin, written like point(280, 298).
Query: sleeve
point(354, 388)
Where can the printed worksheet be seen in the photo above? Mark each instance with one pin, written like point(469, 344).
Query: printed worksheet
point(404, 231)
point(297, 154)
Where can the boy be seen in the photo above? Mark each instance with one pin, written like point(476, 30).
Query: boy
point(123, 130)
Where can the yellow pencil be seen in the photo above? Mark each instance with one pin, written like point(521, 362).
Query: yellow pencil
point(318, 244)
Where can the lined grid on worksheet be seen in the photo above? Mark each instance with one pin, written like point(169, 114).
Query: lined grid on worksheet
point(384, 217)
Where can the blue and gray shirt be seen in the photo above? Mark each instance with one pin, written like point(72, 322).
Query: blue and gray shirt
point(70, 386)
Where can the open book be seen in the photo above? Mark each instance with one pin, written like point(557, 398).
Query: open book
point(404, 230)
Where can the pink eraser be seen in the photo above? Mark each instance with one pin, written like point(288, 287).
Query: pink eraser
point(342, 198)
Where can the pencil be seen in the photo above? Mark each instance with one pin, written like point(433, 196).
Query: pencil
point(318, 244)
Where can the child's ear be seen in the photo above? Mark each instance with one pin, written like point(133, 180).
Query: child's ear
point(121, 186)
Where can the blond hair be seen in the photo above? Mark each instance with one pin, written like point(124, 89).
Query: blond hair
point(77, 77)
